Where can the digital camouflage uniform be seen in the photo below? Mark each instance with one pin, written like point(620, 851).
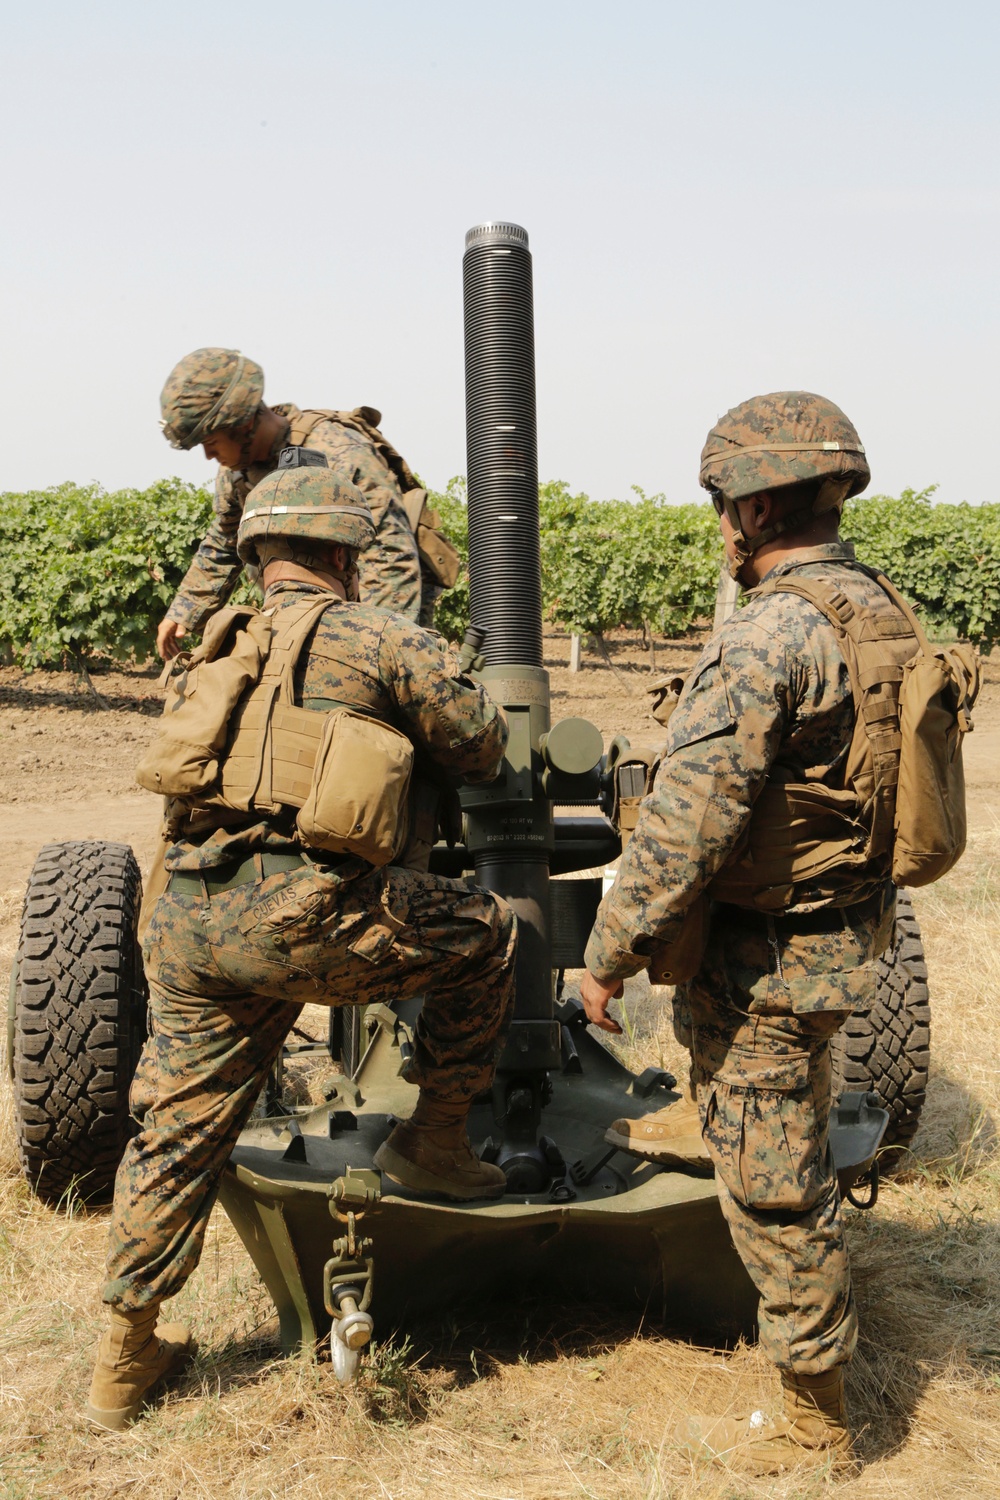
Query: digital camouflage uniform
point(230, 971)
point(769, 697)
point(390, 568)
point(221, 390)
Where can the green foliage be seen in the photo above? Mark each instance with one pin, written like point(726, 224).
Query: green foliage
point(604, 563)
point(451, 613)
point(944, 557)
point(86, 572)
point(642, 562)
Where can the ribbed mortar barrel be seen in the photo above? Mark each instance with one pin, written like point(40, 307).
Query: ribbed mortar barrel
point(504, 566)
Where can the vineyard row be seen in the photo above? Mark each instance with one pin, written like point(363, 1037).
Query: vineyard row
point(89, 573)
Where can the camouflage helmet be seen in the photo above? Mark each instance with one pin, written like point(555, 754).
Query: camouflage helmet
point(304, 504)
point(781, 439)
point(211, 390)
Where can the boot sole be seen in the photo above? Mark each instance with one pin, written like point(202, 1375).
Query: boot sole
point(113, 1421)
point(419, 1180)
point(772, 1466)
point(824, 1461)
point(663, 1156)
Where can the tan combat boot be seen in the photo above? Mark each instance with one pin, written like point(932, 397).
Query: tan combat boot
point(430, 1153)
point(134, 1355)
point(671, 1137)
point(812, 1432)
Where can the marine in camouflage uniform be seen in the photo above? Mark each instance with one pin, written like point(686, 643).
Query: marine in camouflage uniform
point(768, 701)
point(213, 390)
point(252, 926)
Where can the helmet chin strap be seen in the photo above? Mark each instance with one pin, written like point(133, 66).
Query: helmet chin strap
point(351, 579)
point(741, 548)
point(831, 496)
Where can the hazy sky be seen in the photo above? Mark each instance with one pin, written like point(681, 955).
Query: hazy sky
point(722, 199)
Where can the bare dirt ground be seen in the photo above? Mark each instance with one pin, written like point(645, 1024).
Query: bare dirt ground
point(524, 1401)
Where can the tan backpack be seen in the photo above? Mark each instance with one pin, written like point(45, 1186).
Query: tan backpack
point(938, 692)
point(435, 548)
point(206, 685)
point(904, 791)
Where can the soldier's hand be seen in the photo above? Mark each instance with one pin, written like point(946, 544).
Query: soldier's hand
point(595, 997)
point(168, 638)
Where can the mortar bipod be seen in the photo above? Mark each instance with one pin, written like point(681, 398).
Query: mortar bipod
point(348, 1274)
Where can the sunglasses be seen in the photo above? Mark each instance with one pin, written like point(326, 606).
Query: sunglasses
point(717, 501)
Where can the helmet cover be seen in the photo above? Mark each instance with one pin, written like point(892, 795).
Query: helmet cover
point(210, 390)
point(783, 438)
point(304, 504)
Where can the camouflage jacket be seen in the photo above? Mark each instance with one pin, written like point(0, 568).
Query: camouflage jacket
point(389, 667)
point(769, 695)
point(216, 567)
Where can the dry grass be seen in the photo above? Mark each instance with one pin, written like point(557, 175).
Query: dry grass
point(534, 1403)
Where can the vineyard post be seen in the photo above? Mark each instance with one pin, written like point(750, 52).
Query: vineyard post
point(725, 598)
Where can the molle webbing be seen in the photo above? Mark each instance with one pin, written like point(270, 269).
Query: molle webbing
point(807, 831)
point(875, 646)
point(273, 746)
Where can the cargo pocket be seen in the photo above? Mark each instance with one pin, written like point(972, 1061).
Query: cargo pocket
point(293, 920)
point(810, 973)
point(293, 909)
point(761, 1122)
point(380, 938)
point(454, 920)
point(774, 1071)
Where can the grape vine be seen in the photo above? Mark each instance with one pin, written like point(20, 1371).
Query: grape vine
point(90, 573)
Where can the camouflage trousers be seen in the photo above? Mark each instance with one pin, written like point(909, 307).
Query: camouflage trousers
point(759, 1015)
point(390, 569)
point(228, 976)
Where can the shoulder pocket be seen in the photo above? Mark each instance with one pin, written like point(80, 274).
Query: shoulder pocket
point(704, 708)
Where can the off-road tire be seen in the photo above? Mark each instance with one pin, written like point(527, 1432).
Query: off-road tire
point(79, 1018)
point(888, 1050)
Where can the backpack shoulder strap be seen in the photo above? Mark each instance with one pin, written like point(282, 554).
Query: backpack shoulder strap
point(837, 609)
point(303, 424)
point(275, 686)
point(365, 419)
point(906, 609)
point(870, 634)
point(288, 641)
point(874, 647)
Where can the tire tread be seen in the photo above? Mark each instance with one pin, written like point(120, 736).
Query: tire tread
point(80, 1017)
point(887, 1050)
